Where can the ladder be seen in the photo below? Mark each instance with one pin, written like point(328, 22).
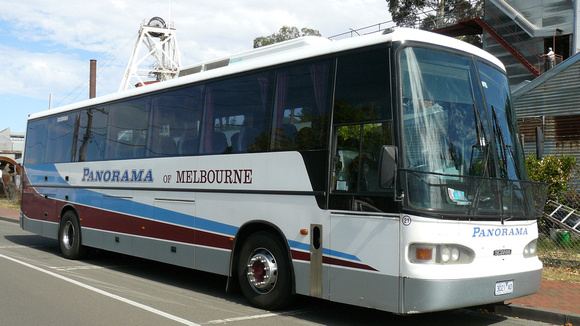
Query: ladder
point(564, 216)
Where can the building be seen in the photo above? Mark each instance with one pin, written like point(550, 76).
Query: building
point(549, 106)
point(551, 103)
point(11, 144)
point(519, 32)
point(531, 27)
point(11, 149)
point(546, 95)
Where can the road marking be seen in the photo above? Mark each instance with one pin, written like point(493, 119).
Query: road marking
point(244, 318)
point(75, 268)
point(20, 246)
point(234, 319)
point(105, 293)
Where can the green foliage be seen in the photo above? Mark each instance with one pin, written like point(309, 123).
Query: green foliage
point(434, 14)
point(285, 33)
point(556, 170)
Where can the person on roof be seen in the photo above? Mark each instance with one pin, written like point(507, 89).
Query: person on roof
point(551, 58)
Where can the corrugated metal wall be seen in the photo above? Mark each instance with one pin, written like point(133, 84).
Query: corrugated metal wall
point(552, 94)
point(552, 102)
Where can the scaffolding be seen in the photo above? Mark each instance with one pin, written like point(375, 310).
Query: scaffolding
point(158, 60)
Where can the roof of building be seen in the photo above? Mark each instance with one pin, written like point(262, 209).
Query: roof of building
point(524, 88)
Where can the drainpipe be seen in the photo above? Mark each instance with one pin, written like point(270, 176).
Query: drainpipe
point(576, 35)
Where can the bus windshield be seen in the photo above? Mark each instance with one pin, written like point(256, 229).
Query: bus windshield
point(461, 153)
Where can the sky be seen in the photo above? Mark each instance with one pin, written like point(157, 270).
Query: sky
point(46, 47)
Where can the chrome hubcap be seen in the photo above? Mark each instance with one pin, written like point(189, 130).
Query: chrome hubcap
point(68, 235)
point(262, 271)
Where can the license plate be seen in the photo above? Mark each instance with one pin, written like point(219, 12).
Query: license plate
point(502, 252)
point(505, 287)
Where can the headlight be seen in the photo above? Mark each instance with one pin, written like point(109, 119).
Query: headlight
point(425, 253)
point(531, 250)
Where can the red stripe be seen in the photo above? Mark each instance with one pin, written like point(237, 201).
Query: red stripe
point(346, 263)
point(301, 255)
point(117, 222)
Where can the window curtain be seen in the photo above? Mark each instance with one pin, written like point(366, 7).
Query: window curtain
point(319, 73)
point(264, 87)
point(282, 90)
point(208, 128)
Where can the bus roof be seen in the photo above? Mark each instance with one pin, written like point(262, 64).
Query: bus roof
point(280, 53)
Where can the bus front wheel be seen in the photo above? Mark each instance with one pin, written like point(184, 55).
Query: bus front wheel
point(69, 237)
point(264, 271)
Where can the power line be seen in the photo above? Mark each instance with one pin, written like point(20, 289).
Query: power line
point(108, 63)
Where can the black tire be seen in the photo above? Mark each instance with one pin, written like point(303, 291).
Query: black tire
point(267, 288)
point(69, 237)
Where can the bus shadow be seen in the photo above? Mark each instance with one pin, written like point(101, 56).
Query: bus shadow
point(303, 308)
point(34, 241)
point(331, 313)
point(180, 277)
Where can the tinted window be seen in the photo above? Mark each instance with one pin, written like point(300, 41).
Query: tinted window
point(175, 122)
point(35, 142)
point(358, 149)
point(92, 132)
point(362, 87)
point(238, 115)
point(127, 133)
point(60, 140)
point(302, 106)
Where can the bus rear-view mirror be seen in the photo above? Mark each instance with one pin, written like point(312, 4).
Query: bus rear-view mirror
point(388, 166)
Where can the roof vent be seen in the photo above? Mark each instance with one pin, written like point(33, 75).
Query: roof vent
point(190, 71)
point(217, 64)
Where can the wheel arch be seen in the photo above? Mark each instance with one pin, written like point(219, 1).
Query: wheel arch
point(244, 232)
point(67, 208)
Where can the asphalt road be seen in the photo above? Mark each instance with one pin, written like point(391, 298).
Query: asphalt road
point(39, 287)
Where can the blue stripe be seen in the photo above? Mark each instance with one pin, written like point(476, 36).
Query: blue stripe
point(333, 253)
point(36, 174)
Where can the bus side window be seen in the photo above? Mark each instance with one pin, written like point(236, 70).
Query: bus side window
point(92, 131)
point(163, 145)
point(362, 118)
point(188, 144)
point(302, 103)
point(237, 114)
point(175, 120)
point(356, 163)
point(35, 142)
point(60, 140)
point(128, 129)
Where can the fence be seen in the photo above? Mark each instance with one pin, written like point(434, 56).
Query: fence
point(559, 240)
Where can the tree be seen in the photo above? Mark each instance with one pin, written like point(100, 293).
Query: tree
point(431, 14)
point(556, 170)
point(285, 33)
point(434, 14)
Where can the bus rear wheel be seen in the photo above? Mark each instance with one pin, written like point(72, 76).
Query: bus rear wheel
point(264, 271)
point(69, 237)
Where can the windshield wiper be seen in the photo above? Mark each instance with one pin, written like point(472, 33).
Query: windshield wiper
point(504, 149)
point(483, 143)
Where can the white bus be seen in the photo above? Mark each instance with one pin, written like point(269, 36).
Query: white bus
point(381, 171)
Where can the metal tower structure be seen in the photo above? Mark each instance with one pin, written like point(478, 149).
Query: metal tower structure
point(160, 62)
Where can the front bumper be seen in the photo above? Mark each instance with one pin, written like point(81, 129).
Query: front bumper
point(420, 295)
